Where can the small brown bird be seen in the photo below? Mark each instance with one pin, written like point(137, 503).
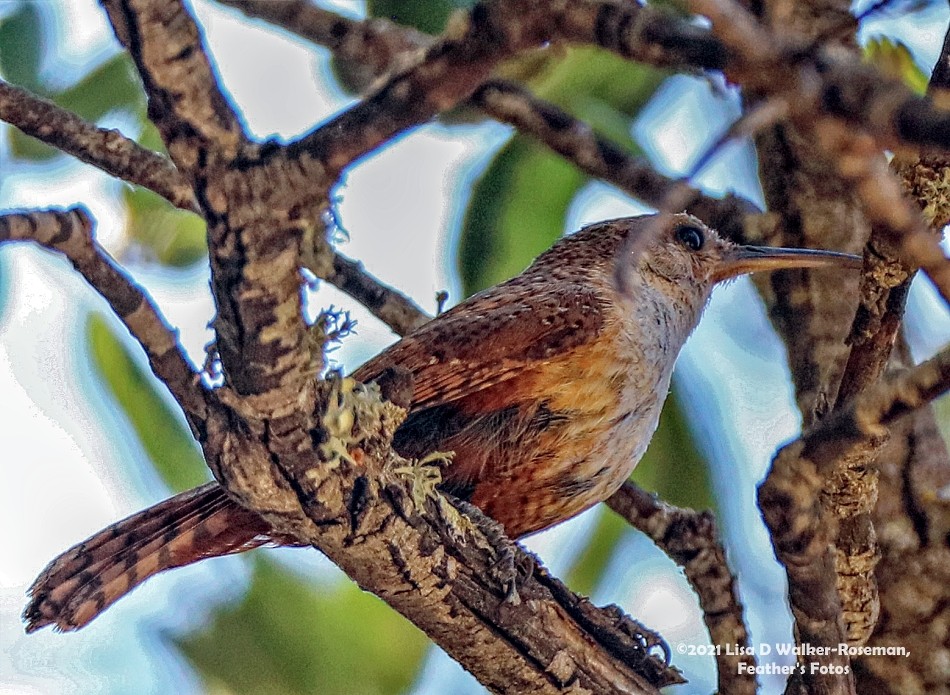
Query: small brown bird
point(548, 388)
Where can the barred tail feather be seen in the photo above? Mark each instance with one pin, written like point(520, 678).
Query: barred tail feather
point(89, 577)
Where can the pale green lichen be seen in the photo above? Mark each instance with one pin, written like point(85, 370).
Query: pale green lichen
point(423, 476)
point(355, 416)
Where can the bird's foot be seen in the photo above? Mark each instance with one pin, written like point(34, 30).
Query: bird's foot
point(462, 521)
point(504, 568)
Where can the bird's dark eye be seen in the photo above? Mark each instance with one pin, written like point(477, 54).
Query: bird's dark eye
point(690, 236)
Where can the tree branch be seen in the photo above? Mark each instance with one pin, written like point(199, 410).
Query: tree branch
point(378, 517)
point(69, 232)
point(886, 279)
point(690, 538)
point(859, 162)
point(193, 115)
point(381, 45)
point(789, 497)
point(450, 70)
point(818, 208)
point(370, 48)
point(105, 149)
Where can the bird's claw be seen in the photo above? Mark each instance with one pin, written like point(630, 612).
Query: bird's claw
point(504, 568)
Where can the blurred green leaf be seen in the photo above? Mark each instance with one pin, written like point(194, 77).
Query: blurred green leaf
point(23, 146)
point(588, 73)
point(673, 466)
point(429, 16)
point(287, 638)
point(161, 430)
point(516, 211)
point(151, 139)
point(941, 408)
point(114, 85)
point(895, 59)
point(22, 42)
point(590, 564)
point(174, 237)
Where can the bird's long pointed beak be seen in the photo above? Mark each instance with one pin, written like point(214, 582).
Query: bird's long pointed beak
point(740, 260)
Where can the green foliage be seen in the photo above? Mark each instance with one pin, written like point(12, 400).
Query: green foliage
point(287, 638)
point(161, 430)
point(517, 211)
point(519, 204)
point(592, 561)
point(895, 59)
point(112, 86)
point(22, 43)
point(941, 408)
point(429, 16)
point(598, 87)
point(175, 237)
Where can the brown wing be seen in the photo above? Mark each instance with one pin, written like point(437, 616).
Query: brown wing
point(490, 338)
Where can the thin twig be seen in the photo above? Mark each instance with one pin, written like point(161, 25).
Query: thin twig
point(577, 142)
point(820, 81)
point(885, 283)
point(387, 304)
point(69, 232)
point(106, 149)
point(690, 538)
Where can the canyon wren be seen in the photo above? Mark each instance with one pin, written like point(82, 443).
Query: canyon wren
point(547, 388)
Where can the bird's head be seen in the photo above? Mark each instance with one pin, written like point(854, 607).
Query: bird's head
point(681, 256)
